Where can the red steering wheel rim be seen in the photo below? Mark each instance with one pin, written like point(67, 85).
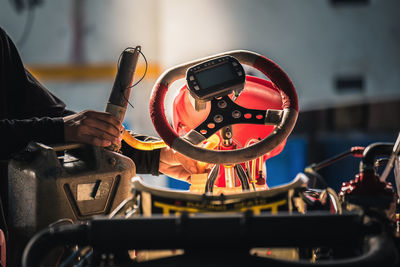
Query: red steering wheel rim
point(180, 144)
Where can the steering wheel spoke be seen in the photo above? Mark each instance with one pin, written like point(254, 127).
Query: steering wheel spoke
point(273, 116)
point(225, 112)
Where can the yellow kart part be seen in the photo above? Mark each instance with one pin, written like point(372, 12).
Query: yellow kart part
point(142, 145)
point(211, 143)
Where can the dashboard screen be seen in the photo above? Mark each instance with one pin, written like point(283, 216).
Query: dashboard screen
point(215, 76)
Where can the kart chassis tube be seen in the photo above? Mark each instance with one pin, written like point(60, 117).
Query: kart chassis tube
point(187, 146)
point(373, 151)
point(194, 233)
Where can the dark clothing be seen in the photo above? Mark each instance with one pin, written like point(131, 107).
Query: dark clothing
point(29, 112)
point(145, 161)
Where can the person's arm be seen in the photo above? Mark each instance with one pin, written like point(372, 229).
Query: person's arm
point(90, 127)
point(147, 162)
point(165, 160)
point(30, 112)
point(21, 95)
point(16, 134)
point(177, 165)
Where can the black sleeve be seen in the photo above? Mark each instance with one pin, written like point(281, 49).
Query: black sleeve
point(22, 101)
point(22, 96)
point(16, 134)
point(145, 161)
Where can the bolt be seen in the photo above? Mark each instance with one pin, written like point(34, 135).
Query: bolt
point(236, 114)
point(222, 104)
point(218, 118)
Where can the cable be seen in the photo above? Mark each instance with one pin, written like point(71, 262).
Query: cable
point(144, 74)
point(242, 175)
point(145, 70)
point(17, 4)
point(211, 179)
point(252, 174)
point(354, 151)
point(28, 23)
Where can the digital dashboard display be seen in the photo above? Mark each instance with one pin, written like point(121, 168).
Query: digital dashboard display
point(215, 76)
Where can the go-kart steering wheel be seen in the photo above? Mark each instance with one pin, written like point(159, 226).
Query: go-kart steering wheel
point(225, 112)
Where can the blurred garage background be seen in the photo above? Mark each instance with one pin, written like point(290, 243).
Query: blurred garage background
point(343, 57)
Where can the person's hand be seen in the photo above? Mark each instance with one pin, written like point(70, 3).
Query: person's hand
point(92, 127)
point(177, 165)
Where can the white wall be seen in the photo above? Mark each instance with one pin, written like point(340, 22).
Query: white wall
point(50, 38)
point(310, 39)
point(109, 27)
point(114, 25)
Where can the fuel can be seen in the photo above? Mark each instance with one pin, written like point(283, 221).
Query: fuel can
point(70, 182)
